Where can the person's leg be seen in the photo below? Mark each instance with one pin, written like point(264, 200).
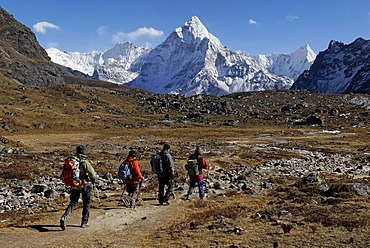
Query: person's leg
point(134, 195)
point(126, 199)
point(191, 187)
point(86, 199)
point(75, 195)
point(169, 183)
point(161, 184)
point(201, 188)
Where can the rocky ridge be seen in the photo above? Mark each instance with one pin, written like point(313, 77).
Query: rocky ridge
point(22, 59)
point(341, 68)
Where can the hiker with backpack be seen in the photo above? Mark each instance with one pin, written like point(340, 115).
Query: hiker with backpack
point(132, 181)
point(165, 175)
point(194, 166)
point(80, 176)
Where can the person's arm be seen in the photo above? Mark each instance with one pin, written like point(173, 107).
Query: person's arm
point(89, 170)
point(137, 171)
point(172, 165)
point(204, 164)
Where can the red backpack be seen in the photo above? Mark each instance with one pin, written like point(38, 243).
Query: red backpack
point(71, 172)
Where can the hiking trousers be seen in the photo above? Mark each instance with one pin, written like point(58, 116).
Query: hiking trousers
point(199, 181)
point(133, 192)
point(86, 202)
point(162, 183)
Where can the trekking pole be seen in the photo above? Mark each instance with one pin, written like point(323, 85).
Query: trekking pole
point(206, 181)
point(123, 197)
point(137, 195)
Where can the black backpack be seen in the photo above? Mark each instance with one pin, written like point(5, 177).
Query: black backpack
point(160, 164)
point(156, 164)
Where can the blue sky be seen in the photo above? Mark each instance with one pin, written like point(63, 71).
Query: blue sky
point(252, 26)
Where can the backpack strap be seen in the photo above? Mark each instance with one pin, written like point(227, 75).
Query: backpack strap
point(82, 164)
point(200, 165)
point(130, 165)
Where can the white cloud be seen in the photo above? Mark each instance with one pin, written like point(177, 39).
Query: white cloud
point(150, 33)
point(41, 27)
point(102, 30)
point(252, 22)
point(292, 18)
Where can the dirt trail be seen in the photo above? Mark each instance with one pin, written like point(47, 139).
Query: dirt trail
point(114, 226)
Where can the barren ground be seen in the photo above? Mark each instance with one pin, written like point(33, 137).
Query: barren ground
point(341, 223)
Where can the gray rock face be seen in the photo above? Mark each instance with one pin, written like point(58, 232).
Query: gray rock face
point(340, 68)
point(23, 60)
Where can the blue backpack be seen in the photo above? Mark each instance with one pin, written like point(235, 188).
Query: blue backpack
point(124, 171)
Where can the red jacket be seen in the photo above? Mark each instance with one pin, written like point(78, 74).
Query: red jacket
point(135, 170)
point(204, 166)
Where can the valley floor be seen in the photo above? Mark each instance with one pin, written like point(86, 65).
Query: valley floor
point(228, 218)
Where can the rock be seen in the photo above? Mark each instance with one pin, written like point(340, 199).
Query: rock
point(361, 189)
point(39, 188)
point(50, 194)
point(311, 178)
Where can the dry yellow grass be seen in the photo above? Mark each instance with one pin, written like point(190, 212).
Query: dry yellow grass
point(49, 122)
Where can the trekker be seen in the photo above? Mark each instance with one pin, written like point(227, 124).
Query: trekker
point(133, 185)
point(166, 178)
point(87, 176)
point(196, 174)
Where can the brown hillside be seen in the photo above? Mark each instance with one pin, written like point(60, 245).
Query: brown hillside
point(22, 59)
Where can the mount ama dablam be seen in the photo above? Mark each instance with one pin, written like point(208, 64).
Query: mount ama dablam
point(190, 61)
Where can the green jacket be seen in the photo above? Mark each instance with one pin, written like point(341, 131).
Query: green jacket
point(87, 172)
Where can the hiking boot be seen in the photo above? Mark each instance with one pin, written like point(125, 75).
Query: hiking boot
point(203, 197)
point(62, 223)
point(187, 198)
point(84, 225)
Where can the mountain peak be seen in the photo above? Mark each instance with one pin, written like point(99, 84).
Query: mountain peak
point(306, 51)
point(195, 30)
point(340, 68)
point(195, 22)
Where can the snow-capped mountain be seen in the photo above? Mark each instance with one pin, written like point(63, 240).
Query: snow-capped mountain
point(119, 64)
point(193, 61)
point(340, 68)
point(83, 62)
point(190, 61)
point(291, 65)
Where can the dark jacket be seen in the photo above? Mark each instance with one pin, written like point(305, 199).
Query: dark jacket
point(168, 164)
